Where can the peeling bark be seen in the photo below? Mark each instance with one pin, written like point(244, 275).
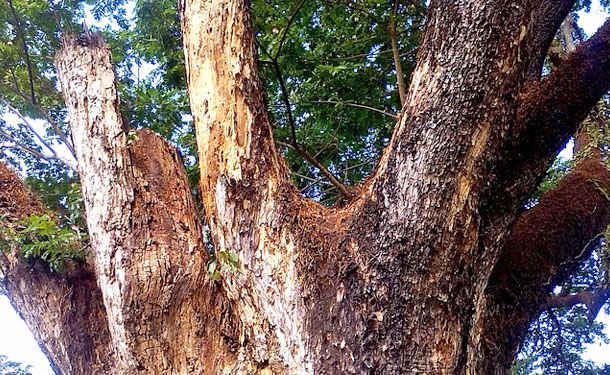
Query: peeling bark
point(150, 257)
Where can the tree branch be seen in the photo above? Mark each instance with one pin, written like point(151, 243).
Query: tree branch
point(557, 104)
point(551, 110)
point(567, 34)
point(55, 155)
point(28, 125)
point(317, 181)
point(139, 209)
point(20, 146)
point(60, 133)
point(293, 137)
point(547, 17)
point(545, 246)
point(593, 300)
point(396, 54)
point(316, 163)
point(280, 78)
point(285, 33)
point(54, 306)
point(25, 50)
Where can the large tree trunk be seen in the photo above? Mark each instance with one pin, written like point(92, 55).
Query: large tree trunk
point(420, 273)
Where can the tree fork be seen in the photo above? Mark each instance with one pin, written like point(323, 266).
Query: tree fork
point(147, 242)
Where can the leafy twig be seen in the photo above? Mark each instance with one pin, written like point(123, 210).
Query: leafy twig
point(25, 49)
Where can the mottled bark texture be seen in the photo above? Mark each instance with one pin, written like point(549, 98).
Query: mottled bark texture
point(432, 268)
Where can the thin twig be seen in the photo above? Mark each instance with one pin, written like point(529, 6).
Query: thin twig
point(299, 175)
point(56, 128)
point(20, 146)
point(363, 10)
point(358, 56)
point(341, 171)
point(280, 78)
point(352, 105)
point(285, 33)
point(273, 60)
point(316, 163)
point(28, 125)
point(327, 145)
point(259, 45)
point(60, 133)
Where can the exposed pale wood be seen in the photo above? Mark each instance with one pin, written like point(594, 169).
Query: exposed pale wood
point(146, 239)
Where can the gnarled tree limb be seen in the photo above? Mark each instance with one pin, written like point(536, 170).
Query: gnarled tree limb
point(545, 246)
point(551, 110)
point(65, 312)
point(546, 18)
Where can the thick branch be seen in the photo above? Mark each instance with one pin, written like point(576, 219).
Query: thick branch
point(252, 207)
point(547, 241)
point(594, 300)
point(547, 17)
point(552, 109)
point(64, 311)
point(567, 34)
point(545, 246)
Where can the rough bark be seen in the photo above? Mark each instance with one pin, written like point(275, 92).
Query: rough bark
point(420, 273)
point(150, 257)
point(546, 245)
point(64, 312)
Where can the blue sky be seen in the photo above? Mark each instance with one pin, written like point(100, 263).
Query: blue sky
point(18, 343)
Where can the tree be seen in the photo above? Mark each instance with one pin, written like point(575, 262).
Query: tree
point(432, 266)
point(12, 368)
